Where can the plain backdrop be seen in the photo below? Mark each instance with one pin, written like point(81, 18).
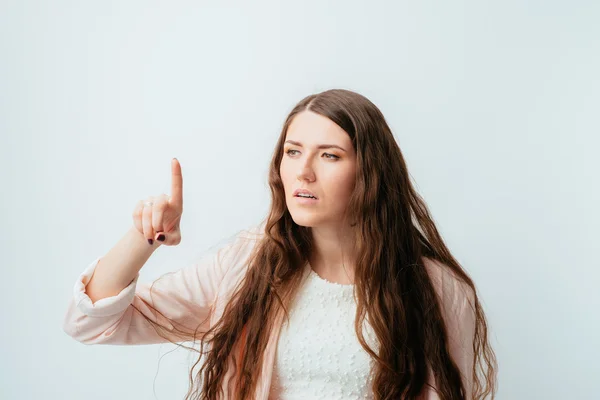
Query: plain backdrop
point(495, 106)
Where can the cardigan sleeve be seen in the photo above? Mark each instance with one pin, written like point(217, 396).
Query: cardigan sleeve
point(460, 323)
point(184, 297)
point(457, 305)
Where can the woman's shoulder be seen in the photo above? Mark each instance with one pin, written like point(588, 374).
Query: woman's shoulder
point(451, 288)
point(234, 252)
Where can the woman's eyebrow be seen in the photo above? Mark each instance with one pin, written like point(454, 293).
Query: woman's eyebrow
point(321, 146)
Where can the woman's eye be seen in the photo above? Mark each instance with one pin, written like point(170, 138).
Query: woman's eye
point(327, 155)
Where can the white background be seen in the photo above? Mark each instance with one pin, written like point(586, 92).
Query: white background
point(495, 106)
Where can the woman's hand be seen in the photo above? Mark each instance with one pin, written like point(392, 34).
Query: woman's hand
point(158, 217)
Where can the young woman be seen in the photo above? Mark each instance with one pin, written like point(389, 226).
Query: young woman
point(346, 290)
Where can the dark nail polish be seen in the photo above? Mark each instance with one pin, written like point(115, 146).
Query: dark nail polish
point(150, 241)
point(161, 237)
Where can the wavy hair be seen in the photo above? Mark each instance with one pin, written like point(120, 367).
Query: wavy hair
point(393, 232)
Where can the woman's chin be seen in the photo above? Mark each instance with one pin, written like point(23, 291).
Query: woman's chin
point(305, 219)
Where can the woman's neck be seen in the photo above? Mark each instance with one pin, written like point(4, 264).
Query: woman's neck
point(332, 255)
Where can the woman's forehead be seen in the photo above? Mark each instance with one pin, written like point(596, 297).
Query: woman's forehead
point(312, 130)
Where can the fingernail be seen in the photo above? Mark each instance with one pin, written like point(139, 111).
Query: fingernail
point(161, 237)
point(150, 241)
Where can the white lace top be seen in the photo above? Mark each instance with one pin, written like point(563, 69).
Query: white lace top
point(318, 354)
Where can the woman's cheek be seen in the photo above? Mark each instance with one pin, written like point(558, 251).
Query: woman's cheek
point(345, 184)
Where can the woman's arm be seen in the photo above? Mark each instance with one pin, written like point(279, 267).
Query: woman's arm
point(184, 297)
point(460, 323)
point(457, 302)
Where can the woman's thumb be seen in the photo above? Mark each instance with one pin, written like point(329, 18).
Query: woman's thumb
point(169, 239)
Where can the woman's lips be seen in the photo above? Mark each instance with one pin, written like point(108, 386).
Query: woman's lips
point(306, 200)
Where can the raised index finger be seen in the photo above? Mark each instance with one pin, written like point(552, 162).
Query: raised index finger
point(176, 183)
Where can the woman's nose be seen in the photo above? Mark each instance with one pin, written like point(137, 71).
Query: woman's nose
point(306, 173)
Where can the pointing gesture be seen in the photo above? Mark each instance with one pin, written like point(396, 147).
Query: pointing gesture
point(176, 184)
point(158, 217)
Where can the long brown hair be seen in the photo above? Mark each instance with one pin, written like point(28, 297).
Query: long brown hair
point(393, 232)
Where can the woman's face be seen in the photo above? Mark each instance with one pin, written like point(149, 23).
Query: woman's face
point(317, 156)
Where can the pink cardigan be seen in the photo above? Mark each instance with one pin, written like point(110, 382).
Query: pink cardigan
point(199, 292)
